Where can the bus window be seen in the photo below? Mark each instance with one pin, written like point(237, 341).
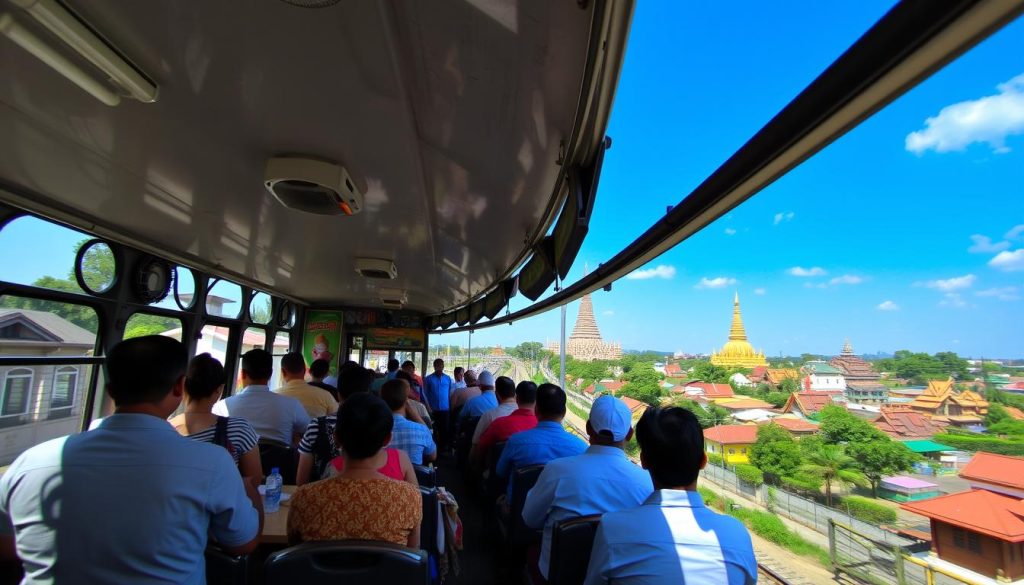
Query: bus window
point(260, 308)
point(255, 338)
point(140, 324)
point(223, 299)
point(376, 360)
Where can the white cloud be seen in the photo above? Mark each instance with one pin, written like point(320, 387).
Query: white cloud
point(1008, 261)
point(989, 119)
point(951, 284)
point(608, 313)
point(952, 299)
point(783, 216)
point(1015, 232)
point(730, 232)
point(660, 271)
point(801, 271)
point(985, 245)
point(888, 306)
point(1003, 293)
point(846, 279)
point(717, 282)
point(759, 292)
point(812, 285)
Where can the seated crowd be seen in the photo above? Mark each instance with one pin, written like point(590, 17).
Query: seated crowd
point(357, 443)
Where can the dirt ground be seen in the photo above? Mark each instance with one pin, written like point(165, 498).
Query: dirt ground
point(796, 569)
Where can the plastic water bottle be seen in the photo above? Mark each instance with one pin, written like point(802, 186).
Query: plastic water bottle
point(272, 495)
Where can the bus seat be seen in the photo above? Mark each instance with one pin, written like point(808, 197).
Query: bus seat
point(571, 542)
point(426, 475)
point(225, 569)
point(516, 531)
point(429, 540)
point(352, 562)
point(493, 485)
point(284, 457)
point(464, 441)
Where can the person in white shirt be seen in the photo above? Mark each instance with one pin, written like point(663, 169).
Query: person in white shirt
point(275, 417)
point(505, 393)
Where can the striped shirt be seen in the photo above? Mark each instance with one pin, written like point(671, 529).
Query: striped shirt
point(241, 436)
point(313, 433)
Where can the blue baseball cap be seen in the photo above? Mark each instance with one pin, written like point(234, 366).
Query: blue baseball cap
point(612, 415)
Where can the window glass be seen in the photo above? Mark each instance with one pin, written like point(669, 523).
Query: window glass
point(224, 299)
point(141, 324)
point(65, 382)
point(260, 308)
point(97, 267)
point(17, 388)
point(282, 341)
point(51, 248)
point(255, 338)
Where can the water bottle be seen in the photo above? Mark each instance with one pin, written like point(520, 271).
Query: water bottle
point(272, 495)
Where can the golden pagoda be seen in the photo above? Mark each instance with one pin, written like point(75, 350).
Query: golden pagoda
point(737, 352)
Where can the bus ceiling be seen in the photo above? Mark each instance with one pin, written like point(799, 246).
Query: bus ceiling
point(454, 124)
point(913, 40)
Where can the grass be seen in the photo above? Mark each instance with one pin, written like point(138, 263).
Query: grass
point(769, 527)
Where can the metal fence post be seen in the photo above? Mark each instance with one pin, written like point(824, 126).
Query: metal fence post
point(832, 543)
point(901, 577)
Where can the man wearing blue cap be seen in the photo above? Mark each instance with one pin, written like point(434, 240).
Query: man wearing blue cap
point(600, 480)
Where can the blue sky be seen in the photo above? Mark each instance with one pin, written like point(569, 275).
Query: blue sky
point(904, 234)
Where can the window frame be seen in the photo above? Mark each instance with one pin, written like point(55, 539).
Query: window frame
point(8, 375)
point(72, 389)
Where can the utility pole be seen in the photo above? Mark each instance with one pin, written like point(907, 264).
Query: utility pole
point(561, 353)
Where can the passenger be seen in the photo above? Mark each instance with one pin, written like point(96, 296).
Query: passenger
point(131, 501)
point(464, 395)
point(415, 382)
point(410, 434)
point(457, 376)
point(476, 407)
point(410, 367)
point(275, 417)
point(390, 375)
point(414, 398)
point(520, 419)
point(317, 447)
point(333, 380)
point(547, 441)
point(360, 503)
point(318, 370)
point(506, 394)
point(672, 538)
point(204, 384)
point(438, 388)
point(316, 401)
point(600, 480)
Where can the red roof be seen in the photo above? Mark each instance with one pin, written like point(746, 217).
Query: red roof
point(1014, 386)
point(795, 425)
point(744, 404)
point(810, 401)
point(904, 423)
point(1014, 413)
point(712, 390)
point(634, 404)
point(673, 370)
point(979, 510)
point(758, 373)
point(732, 434)
point(1001, 470)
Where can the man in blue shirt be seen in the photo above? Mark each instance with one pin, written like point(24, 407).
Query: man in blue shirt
point(275, 417)
point(547, 441)
point(437, 391)
point(131, 501)
point(409, 434)
point(378, 383)
point(672, 538)
point(600, 480)
point(478, 405)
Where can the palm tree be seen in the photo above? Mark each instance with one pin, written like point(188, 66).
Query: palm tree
point(830, 463)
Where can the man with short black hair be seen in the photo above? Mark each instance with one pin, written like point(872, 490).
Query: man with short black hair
point(275, 417)
point(672, 538)
point(500, 429)
point(545, 442)
point(457, 375)
point(131, 501)
point(379, 382)
point(600, 480)
point(437, 392)
point(317, 447)
point(316, 401)
point(410, 434)
point(318, 370)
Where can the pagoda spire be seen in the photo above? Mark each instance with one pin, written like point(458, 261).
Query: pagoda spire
point(847, 348)
point(737, 332)
point(586, 324)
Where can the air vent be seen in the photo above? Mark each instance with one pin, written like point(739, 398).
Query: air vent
point(377, 268)
point(312, 186)
point(393, 298)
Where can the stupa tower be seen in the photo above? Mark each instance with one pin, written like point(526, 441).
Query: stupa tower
point(737, 352)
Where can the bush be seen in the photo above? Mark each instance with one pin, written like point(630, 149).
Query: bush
point(979, 443)
point(716, 459)
point(865, 509)
point(749, 474)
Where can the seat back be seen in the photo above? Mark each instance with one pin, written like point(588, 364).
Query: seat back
point(494, 486)
point(428, 526)
point(225, 569)
point(523, 480)
point(352, 562)
point(275, 454)
point(426, 475)
point(464, 440)
point(571, 542)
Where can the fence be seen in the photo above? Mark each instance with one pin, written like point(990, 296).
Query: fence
point(858, 555)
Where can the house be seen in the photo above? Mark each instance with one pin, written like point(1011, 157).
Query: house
point(636, 408)
point(740, 380)
point(940, 401)
point(928, 448)
point(739, 404)
point(1015, 413)
point(759, 374)
point(755, 415)
point(731, 442)
point(867, 393)
point(673, 371)
point(819, 375)
point(979, 534)
point(853, 367)
point(40, 402)
point(797, 427)
point(904, 488)
point(808, 403)
point(604, 387)
point(775, 376)
point(903, 423)
point(708, 390)
point(214, 341)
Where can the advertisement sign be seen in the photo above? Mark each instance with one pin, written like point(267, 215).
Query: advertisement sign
point(321, 338)
point(380, 338)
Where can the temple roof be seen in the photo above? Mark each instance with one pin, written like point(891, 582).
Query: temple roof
point(586, 324)
point(777, 375)
point(904, 423)
point(853, 366)
point(738, 351)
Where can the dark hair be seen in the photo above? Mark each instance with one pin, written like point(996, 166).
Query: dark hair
point(144, 369)
point(395, 393)
point(393, 364)
point(258, 364)
point(293, 363)
point(408, 363)
point(437, 361)
point(458, 370)
point(526, 392)
point(205, 375)
point(353, 381)
point(348, 365)
point(505, 387)
point(319, 368)
point(364, 423)
point(550, 401)
point(403, 375)
point(672, 444)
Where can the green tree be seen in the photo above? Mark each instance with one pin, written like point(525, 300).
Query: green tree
point(789, 385)
point(643, 384)
point(954, 365)
point(141, 324)
point(833, 466)
point(838, 425)
point(880, 458)
point(996, 414)
point(709, 372)
point(709, 416)
point(776, 452)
